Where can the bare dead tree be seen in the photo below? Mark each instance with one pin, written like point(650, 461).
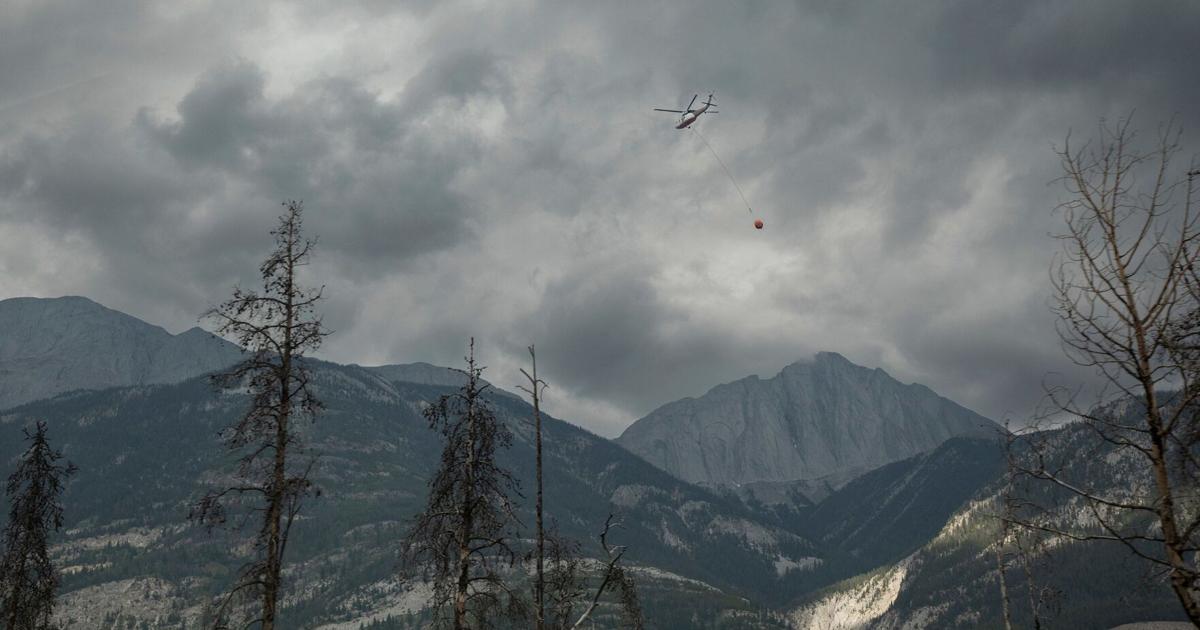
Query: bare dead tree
point(613, 576)
point(563, 584)
point(1016, 543)
point(1002, 575)
point(462, 540)
point(1029, 546)
point(563, 587)
point(1125, 292)
point(276, 328)
point(567, 585)
point(534, 390)
point(28, 579)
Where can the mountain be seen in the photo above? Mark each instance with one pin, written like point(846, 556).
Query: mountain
point(145, 453)
point(421, 373)
point(905, 544)
point(889, 512)
point(51, 346)
point(149, 448)
point(951, 581)
point(827, 418)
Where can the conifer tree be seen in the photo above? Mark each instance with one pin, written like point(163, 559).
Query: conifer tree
point(461, 542)
point(28, 579)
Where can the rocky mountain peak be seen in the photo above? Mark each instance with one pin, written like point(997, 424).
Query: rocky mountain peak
point(52, 345)
point(816, 418)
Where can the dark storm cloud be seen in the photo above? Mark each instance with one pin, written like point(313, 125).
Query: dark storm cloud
point(96, 184)
point(601, 324)
point(159, 195)
point(1001, 46)
point(222, 122)
point(377, 185)
point(495, 170)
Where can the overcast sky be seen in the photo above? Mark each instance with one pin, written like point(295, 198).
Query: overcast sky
point(496, 170)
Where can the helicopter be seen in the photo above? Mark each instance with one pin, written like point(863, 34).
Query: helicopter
point(689, 116)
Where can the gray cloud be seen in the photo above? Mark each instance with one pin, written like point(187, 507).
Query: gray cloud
point(496, 171)
point(378, 185)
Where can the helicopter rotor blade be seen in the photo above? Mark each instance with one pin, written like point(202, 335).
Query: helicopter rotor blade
point(689, 107)
point(676, 111)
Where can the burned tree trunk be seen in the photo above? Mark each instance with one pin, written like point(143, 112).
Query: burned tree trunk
point(534, 390)
point(563, 584)
point(276, 328)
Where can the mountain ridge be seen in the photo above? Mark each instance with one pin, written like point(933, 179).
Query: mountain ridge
point(145, 452)
point(146, 449)
point(54, 345)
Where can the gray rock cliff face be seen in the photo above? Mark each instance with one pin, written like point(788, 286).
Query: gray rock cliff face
point(824, 417)
point(52, 345)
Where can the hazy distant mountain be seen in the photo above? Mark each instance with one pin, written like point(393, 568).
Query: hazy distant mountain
point(52, 345)
point(827, 417)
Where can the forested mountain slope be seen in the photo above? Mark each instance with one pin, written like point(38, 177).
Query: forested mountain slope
point(145, 453)
point(952, 581)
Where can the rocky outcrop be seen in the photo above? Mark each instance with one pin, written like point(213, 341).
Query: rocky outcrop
point(814, 419)
point(50, 346)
